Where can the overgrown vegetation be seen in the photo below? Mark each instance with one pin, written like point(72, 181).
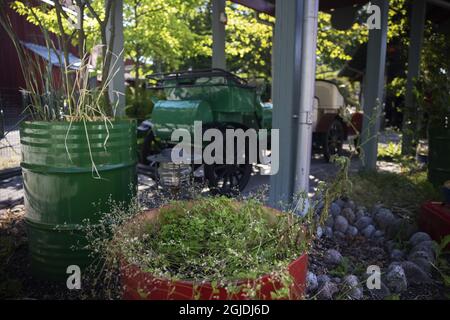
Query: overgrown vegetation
point(10, 287)
point(391, 151)
point(403, 192)
point(216, 239)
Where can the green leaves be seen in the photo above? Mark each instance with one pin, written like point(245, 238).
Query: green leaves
point(249, 42)
point(158, 33)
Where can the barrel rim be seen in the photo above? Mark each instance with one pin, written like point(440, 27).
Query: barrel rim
point(120, 124)
point(62, 122)
point(36, 168)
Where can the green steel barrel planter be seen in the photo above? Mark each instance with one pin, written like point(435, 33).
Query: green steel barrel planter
point(62, 189)
point(439, 151)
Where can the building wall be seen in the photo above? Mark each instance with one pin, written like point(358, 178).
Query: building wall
point(11, 78)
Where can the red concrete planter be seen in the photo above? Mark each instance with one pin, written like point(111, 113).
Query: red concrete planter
point(434, 219)
point(140, 285)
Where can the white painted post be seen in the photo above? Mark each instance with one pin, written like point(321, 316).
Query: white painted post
point(306, 105)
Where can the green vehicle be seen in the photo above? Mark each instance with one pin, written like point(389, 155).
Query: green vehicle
point(222, 100)
point(217, 98)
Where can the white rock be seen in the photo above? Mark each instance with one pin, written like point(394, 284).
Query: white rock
point(378, 234)
point(421, 255)
point(351, 281)
point(327, 291)
point(418, 237)
point(380, 293)
point(335, 209)
point(348, 214)
point(423, 264)
point(368, 231)
point(359, 214)
point(352, 231)
point(340, 203)
point(340, 224)
point(328, 232)
point(430, 247)
point(363, 222)
point(415, 274)
point(384, 218)
point(376, 208)
point(329, 222)
point(352, 287)
point(321, 279)
point(332, 257)
point(390, 245)
point(319, 232)
point(339, 235)
point(397, 255)
point(362, 208)
point(350, 204)
point(396, 278)
point(379, 241)
point(356, 294)
point(311, 282)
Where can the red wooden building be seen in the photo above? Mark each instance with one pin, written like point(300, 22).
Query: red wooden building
point(11, 78)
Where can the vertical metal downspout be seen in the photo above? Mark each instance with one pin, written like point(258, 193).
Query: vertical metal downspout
point(308, 69)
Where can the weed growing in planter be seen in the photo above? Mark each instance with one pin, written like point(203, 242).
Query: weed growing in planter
point(216, 239)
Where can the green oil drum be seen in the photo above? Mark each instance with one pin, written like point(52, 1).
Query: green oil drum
point(60, 162)
point(439, 151)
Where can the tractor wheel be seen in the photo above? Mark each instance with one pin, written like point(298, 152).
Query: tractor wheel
point(148, 148)
point(333, 140)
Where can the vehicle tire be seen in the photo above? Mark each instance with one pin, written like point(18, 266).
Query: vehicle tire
point(228, 179)
point(148, 148)
point(333, 140)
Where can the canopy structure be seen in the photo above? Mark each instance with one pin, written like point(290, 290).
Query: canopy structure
point(54, 57)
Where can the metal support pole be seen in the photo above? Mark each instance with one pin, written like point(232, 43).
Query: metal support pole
point(219, 36)
point(117, 71)
point(308, 67)
point(373, 87)
point(286, 95)
point(410, 115)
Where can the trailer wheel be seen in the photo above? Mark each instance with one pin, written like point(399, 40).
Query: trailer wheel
point(333, 140)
